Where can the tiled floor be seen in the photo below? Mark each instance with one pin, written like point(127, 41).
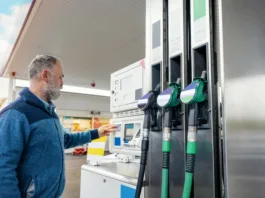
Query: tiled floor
point(73, 171)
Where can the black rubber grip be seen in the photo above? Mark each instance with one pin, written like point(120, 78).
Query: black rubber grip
point(145, 144)
point(190, 163)
point(166, 158)
point(147, 120)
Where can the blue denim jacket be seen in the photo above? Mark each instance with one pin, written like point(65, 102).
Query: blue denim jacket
point(32, 143)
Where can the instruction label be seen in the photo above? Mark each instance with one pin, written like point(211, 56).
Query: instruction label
point(200, 22)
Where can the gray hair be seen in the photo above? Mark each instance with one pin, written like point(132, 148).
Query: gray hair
point(39, 63)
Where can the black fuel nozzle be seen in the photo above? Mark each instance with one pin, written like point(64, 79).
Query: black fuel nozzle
point(147, 103)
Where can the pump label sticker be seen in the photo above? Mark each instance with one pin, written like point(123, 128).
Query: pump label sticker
point(164, 98)
point(200, 26)
point(117, 141)
point(143, 101)
point(189, 92)
point(127, 192)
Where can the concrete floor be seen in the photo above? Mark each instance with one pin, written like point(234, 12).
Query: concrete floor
point(73, 171)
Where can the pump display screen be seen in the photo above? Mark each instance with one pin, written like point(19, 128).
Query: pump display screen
point(126, 83)
point(128, 133)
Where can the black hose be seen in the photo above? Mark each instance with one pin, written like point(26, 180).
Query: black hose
point(145, 144)
point(144, 152)
point(140, 181)
point(190, 151)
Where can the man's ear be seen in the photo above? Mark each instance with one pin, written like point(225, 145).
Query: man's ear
point(44, 75)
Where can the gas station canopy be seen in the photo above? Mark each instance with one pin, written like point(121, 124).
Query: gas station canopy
point(92, 38)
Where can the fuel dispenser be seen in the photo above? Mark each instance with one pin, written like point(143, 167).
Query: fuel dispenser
point(182, 46)
point(169, 62)
point(192, 95)
point(167, 100)
point(207, 178)
point(147, 103)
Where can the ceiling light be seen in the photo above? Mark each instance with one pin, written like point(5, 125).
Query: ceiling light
point(71, 89)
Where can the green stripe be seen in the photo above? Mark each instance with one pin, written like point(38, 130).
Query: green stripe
point(187, 99)
point(199, 9)
point(164, 187)
point(187, 185)
point(191, 148)
point(166, 147)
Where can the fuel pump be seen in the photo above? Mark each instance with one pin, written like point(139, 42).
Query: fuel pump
point(167, 100)
point(147, 104)
point(192, 95)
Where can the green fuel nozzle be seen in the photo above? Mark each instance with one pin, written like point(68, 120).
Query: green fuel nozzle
point(193, 93)
point(168, 99)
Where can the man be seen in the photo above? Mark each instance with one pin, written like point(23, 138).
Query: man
point(32, 140)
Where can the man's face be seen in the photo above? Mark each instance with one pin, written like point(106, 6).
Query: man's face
point(54, 82)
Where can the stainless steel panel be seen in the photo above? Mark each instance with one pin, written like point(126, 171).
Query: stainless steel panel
point(206, 176)
point(207, 181)
point(243, 81)
point(177, 163)
point(177, 155)
point(154, 165)
point(176, 169)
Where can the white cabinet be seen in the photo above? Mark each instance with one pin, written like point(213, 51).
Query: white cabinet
point(105, 185)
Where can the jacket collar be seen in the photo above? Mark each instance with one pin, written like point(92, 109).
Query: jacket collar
point(32, 99)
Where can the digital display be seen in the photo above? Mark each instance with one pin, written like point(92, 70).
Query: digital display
point(126, 83)
point(128, 133)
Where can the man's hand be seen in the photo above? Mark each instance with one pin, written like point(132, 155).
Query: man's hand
point(105, 130)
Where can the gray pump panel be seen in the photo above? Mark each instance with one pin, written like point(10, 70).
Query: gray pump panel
point(225, 39)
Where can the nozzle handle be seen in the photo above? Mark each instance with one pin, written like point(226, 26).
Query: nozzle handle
point(204, 75)
point(193, 115)
point(178, 81)
point(157, 89)
point(168, 118)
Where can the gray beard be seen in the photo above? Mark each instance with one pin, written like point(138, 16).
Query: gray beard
point(52, 92)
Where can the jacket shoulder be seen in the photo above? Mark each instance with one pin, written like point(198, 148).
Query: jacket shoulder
point(32, 113)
